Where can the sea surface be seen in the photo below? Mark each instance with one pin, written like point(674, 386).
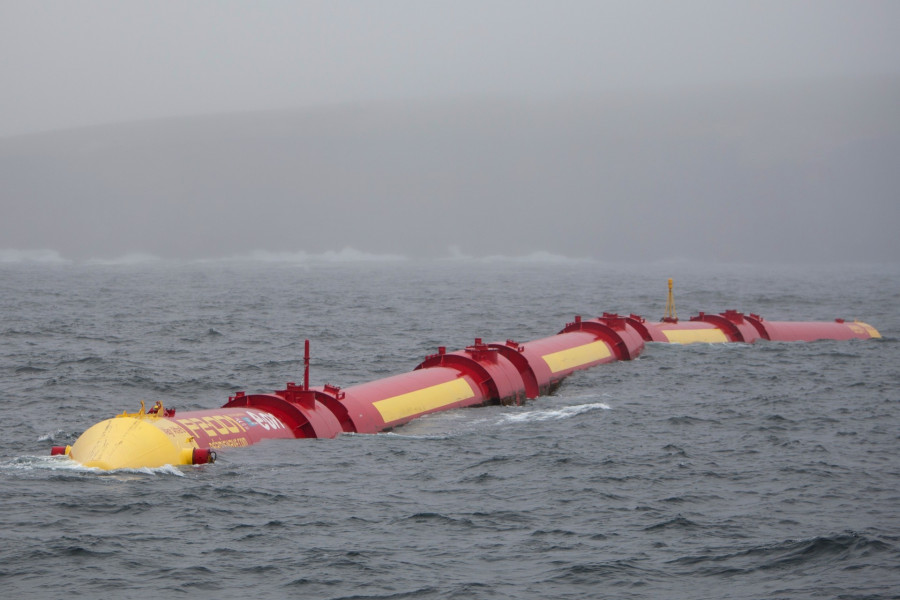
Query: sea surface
point(708, 471)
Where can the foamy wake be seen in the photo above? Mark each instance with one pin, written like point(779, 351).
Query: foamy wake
point(551, 414)
point(66, 464)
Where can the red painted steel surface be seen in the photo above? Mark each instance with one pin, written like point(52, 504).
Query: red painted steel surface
point(657, 329)
point(302, 412)
point(500, 379)
point(733, 325)
point(621, 334)
point(738, 327)
point(649, 332)
point(482, 373)
point(513, 352)
point(362, 401)
point(549, 377)
point(809, 331)
point(230, 427)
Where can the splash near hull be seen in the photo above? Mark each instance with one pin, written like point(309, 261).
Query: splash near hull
point(483, 373)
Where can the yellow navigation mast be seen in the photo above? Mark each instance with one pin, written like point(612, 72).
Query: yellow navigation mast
point(671, 315)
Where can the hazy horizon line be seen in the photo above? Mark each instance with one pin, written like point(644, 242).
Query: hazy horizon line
point(474, 99)
point(350, 255)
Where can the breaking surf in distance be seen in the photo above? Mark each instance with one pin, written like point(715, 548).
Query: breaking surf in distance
point(347, 254)
point(43, 256)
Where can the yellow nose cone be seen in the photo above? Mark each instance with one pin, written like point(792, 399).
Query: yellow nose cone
point(129, 443)
point(873, 333)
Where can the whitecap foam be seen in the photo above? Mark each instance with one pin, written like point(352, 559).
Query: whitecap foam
point(132, 258)
point(51, 437)
point(456, 254)
point(64, 463)
point(345, 255)
point(163, 470)
point(538, 257)
point(45, 256)
point(440, 425)
point(548, 414)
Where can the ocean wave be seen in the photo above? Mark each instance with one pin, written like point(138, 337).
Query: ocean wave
point(548, 414)
point(131, 258)
point(447, 424)
point(678, 522)
point(65, 464)
point(348, 254)
point(538, 257)
point(52, 437)
point(12, 256)
point(614, 573)
point(787, 554)
point(345, 255)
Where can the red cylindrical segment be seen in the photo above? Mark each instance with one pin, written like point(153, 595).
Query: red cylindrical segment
point(499, 378)
point(632, 340)
point(513, 353)
point(618, 332)
point(648, 331)
point(808, 331)
point(678, 332)
point(229, 427)
point(733, 325)
point(553, 358)
point(306, 417)
point(389, 402)
point(685, 332)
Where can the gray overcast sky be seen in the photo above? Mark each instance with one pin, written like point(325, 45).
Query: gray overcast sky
point(70, 63)
point(737, 131)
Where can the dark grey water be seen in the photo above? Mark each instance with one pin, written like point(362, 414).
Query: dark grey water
point(764, 471)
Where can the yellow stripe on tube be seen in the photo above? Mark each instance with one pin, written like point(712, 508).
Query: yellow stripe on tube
point(577, 356)
point(692, 336)
point(424, 400)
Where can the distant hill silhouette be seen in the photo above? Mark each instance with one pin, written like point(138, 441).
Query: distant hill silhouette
point(795, 172)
